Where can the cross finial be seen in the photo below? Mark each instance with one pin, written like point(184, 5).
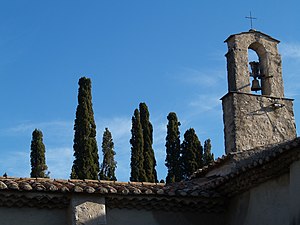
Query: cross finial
point(251, 18)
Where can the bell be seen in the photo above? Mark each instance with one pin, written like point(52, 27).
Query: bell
point(255, 85)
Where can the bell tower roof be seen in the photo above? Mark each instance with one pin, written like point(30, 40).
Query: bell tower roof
point(257, 33)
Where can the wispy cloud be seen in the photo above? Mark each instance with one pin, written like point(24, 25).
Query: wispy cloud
point(210, 86)
point(159, 137)
point(58, 139)
point(291, 70)
point(290, 50)
point(58, 142)
point(59, 161)
point(57, 127)
point(203, 106)
point(59, 154)
point(205, 103)
point(120, 128)
point(209, 79)
point(292, 84)
point(15, 163)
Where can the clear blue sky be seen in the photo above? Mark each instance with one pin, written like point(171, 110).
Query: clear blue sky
point(169, 54)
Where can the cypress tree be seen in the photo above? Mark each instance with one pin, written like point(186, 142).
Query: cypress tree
point(37, 155)
point(86, 163)
point(208, 157)
point(173, 162)
point(148, 152)
point(192, 153)
point(137, 143)
point(108, 165)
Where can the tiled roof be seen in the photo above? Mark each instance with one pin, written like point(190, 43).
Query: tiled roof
point(98, 187)
point(38, 201)
point(206, 191)
point(240, 160)
point(239, 171)
point(79, 186)
point(178, 196)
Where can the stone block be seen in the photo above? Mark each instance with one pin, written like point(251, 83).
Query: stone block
point(87, 210)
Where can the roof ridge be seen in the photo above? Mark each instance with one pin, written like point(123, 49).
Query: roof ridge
point(235, 156)
point(81, 180)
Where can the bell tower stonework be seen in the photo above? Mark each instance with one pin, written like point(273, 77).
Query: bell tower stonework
point(254, 119)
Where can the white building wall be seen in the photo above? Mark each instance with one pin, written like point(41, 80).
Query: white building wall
point(32, 216)
point(266, 204)
point(145, 217)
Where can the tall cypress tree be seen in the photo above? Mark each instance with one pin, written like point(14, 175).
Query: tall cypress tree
point(109, 164)
point(173, 161)
point(137, 143)
point(86, 163)
point(149, 157)
point(192, 152)
point(37, 155)
point(208, 156)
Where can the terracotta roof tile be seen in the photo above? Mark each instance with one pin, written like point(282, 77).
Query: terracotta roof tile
point(239, 171)
point(247, 159)
point(177, 197)
point(2, 185)
point(98, 187)
point(39, 201)
point(205, 191)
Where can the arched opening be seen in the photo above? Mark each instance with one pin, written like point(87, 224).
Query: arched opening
point(255, 82)
point(257, 59)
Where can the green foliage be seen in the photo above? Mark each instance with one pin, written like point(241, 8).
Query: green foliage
point(208, 157)
point(173, 162)
point(148, 152)
point(86, 163)
point(37, 155)
point(142, 154)
point(192, 152)
point(108, 165)
point(137, 143)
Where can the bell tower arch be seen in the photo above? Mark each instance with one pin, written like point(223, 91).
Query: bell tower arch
point(254, 119)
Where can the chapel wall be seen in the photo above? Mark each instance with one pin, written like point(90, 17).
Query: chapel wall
point(266, 204)
point(158, 217)
point(32, 216)
point(294, 190)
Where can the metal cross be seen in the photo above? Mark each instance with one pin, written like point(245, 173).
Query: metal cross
point(251, 18)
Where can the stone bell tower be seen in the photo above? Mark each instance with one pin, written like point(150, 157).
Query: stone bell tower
point(254, 119)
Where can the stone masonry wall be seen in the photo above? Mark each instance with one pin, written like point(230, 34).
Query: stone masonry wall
point(253, 120)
